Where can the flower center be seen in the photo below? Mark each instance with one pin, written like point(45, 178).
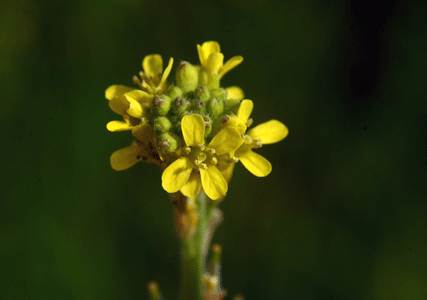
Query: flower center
point(201, 156)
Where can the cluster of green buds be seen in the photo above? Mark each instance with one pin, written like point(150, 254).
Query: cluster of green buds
point(191, 95)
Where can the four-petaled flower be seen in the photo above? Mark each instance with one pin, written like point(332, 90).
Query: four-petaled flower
point(183, 173)
point(269, 132)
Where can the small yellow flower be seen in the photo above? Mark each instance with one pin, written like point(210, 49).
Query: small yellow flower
point(183, 173)
point(153, 79)
point(269, 132)
point(143, 149)
point(212, 59)
point(129, 103)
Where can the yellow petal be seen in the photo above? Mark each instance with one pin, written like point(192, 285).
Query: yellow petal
point(245, 110)
point(166, 73)
point(119, 105)
point(230, 64)
point(135, 109)
point(214, 62)
point(153, 66)
point(255, 163)
point(193, 130)
point(116, 90)
point(115, 126)
point(193, 186)
point(142, 97)
point(207, 49)
point(213, 182)
point(269, 132)
point(228, 139)
point(144, 133)
point(234, 92)
point(125, 158)
point(236, 123)
point(176, 174)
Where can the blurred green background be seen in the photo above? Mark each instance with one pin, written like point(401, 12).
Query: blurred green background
point(343, 215)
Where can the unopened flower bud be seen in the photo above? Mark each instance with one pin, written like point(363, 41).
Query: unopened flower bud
point(168, 142)
point(161, 105)
point(162, 124)
point(231, 106)
point(179, 105)
point(219, 93)
point(186, 77)
point(215, 107)
point(174, 92)
point(202, 93)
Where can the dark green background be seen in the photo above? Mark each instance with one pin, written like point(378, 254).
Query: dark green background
point(343, 215)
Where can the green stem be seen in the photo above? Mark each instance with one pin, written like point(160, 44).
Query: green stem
point(192, 261)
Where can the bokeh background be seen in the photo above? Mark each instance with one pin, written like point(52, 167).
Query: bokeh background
point(343, 215)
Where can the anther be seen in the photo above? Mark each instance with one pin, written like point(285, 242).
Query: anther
point(211, 151)
point(201, 157)
point(203, 166)
point(141, 74)
point(236, 160)
point(211, 282)
point(249, 122)
point(258, 143)
point(247, 139)
point(136, 80)
point(214, 161)
point(201, 147)
point(186, 150)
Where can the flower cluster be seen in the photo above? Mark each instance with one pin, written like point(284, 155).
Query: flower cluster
point(195, 130)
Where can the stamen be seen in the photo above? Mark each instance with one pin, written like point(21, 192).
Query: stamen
point(214, 161)
point(249, 122)
point(203, 166)
point(258, 143)
point(236, 160)
point(141, 74)
point(211, 151)
point(201, 147)
point(186, 150)
point(136, 80)
point(247, 139)
point(201, 157)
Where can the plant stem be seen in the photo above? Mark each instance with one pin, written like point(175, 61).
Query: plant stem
point(192, 261)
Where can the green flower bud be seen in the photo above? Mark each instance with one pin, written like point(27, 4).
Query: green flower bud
point(174, 92)
point(203, 77)
point(202, 93)
point(168, 142)
point(219, 93)
point(162, 124)
point(231, 106)
point(215, 107)
point(161, 105)
point(187, 77)
point(179, 105)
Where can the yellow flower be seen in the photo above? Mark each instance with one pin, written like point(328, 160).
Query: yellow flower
point(269, 132)
point(183, 173)
point(129, 103)
point(143, 149)
point(153, 79)
point(212, 59)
